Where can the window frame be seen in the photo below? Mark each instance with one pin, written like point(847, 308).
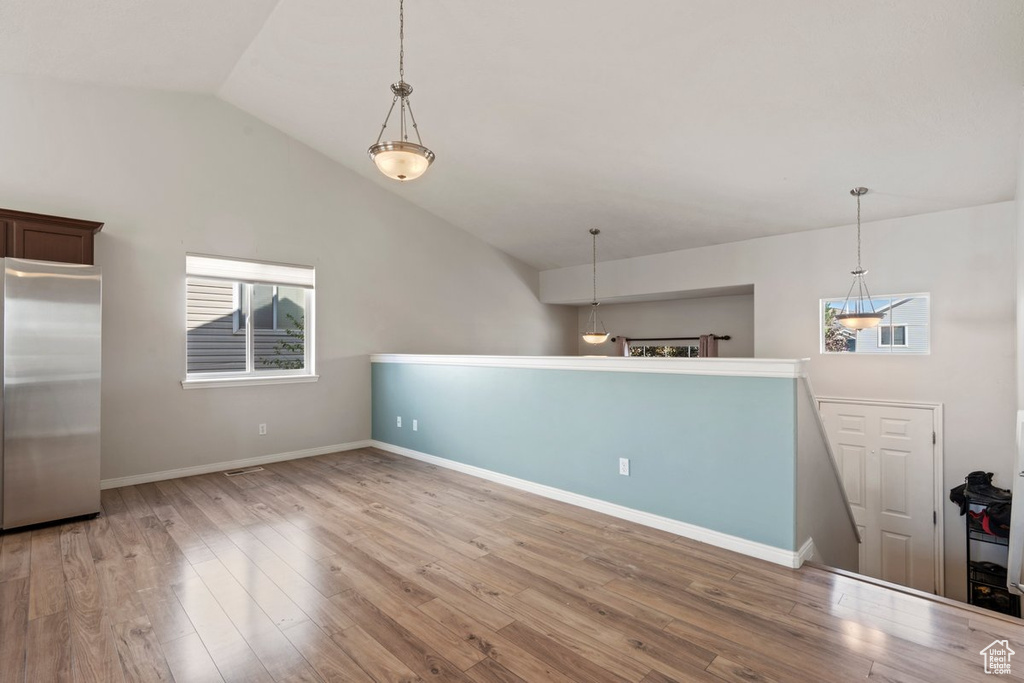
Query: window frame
point(236, 304)
point(253, 375)
point(236, 298)
point(891, 328)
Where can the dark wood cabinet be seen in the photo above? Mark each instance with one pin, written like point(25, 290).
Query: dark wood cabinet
point(47, 238)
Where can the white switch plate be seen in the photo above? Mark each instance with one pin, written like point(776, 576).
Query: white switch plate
point(399, 420)
point(415, 425)
point(624, 466)
point(263, 429)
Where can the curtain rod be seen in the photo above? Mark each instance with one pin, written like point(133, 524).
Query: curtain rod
point(723, 337)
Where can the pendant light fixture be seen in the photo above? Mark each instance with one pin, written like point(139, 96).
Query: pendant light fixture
point(400, 159)
point(595, 333)
point(858, 312)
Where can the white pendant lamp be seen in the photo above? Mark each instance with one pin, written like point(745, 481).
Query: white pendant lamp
point(401, 159)
point(858, 312)
point(595, 333)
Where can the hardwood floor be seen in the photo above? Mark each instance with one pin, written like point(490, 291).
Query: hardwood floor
point(364, 566)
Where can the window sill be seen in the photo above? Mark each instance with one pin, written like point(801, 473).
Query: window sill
point(222, 382)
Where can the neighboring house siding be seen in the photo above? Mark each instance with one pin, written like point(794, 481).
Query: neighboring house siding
point(914, 314)
point(213, 344)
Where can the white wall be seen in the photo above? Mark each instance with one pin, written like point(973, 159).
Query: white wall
point(822, 509)
point(966, 258)
point(1020, 277)
point(731, 315)
point(173, 173)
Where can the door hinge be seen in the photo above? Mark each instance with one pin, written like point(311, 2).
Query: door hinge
point(935, 517)
point(934, 441)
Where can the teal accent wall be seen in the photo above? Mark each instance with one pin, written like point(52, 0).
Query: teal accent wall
point(718, 452)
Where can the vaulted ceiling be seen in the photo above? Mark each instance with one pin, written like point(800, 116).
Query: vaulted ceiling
point(666, 123)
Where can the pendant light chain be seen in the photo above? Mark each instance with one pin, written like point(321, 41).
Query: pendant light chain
point(594, 234)
point(401, 63)
point(401, 41)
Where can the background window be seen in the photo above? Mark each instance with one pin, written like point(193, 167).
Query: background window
point(650, 351)
point(905, 327)
point(221, 342)
point(892, 335)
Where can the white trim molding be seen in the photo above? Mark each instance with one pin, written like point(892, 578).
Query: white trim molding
point(806, 553)
point(230, 464)
point(248, 381)
point(786, 558)
point(736, 367)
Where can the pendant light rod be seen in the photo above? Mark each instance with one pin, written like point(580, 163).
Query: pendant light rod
point(858, 192)
point(595, 232)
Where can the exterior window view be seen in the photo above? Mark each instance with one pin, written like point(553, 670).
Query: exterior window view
point(247, 319)
point(904, 327)
point(218, 314)
point(650, 351)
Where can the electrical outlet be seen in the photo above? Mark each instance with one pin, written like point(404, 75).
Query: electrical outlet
point(399, 420)
point(624, 466)
point(415, 425)
point(263, 428)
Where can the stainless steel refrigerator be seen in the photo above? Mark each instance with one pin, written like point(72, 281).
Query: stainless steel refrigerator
point(51, 392)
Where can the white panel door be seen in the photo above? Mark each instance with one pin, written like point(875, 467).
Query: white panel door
point(886, 458)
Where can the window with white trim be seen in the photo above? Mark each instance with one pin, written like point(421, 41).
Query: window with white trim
point(248, 320)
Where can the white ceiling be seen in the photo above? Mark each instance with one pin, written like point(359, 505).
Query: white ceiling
point(170, 44)
point(667, 123)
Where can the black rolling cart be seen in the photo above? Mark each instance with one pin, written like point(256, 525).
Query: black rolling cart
point(987, 555)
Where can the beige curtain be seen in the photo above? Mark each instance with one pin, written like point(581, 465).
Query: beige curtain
point(621, 346)
point(708, 346)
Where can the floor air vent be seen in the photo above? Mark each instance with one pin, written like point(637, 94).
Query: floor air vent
point(244, 470)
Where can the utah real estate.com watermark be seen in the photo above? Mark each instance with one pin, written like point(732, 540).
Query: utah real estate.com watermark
point(997, 657)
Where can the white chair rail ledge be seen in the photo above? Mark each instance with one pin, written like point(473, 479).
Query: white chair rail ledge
point(736, 367)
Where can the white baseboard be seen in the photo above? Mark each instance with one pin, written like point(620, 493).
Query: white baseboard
point(230, 464)
point(806, 553)
point(786, 558)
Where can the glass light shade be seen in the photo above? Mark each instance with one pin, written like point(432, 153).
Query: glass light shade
point(401, 160)
point(860, 321)
point(596, 337)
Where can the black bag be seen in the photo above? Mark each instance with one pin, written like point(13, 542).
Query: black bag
point(956, 495)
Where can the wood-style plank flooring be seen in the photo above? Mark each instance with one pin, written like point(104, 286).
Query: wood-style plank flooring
point(364, 566)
